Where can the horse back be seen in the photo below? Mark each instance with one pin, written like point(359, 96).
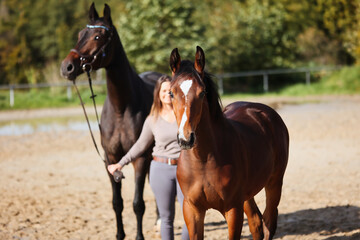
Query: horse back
point(258, 117)
point(150, 78)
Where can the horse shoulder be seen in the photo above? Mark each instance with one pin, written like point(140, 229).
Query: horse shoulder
point(120, 131)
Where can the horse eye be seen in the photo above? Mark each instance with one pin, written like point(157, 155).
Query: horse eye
point(97, 37)
point(202, 94)
point(171, 94)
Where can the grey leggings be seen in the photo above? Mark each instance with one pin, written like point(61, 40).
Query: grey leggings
point(165, 186)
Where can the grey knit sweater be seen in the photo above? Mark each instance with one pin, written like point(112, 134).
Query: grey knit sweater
point(160, 131)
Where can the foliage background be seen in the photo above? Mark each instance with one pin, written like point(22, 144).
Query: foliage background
point(35, 35)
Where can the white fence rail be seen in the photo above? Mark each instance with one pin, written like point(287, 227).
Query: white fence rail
point(220, 77)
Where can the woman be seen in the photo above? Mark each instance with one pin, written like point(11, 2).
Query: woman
point(160, 126)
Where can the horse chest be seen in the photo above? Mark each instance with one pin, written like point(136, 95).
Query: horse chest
point(212, 194)
point(219, 182)
point(210, 189)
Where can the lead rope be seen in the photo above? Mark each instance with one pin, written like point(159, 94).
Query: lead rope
point(118, 175)
point(93, 99)
point(88, 123)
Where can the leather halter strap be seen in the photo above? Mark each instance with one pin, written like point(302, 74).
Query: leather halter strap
point(86, 61)
point(98, 26)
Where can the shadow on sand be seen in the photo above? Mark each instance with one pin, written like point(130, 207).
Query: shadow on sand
point(330, 222)
point(326, 221)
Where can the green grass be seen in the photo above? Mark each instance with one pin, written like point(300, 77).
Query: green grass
point(49, 97)
point(345, 81)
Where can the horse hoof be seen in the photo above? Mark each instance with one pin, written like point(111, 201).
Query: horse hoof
point(140, 237)
point(157, 225)
point(120, 236)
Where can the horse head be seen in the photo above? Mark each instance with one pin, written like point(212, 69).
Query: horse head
point(187, 94)
point(93, 49)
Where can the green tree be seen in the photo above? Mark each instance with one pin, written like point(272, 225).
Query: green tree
point(251, 35)
point(236, 35)
point(328, 33)
point(34, 33)
point(14, 49)
point(150, 29)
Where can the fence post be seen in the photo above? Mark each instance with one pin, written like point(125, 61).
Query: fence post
point(69, 92)
point(12, 97)
point(220, 85)
point(99, 74)
point(307, 78)
point(266, 82)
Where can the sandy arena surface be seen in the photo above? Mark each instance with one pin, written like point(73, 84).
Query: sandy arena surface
point(54, 186)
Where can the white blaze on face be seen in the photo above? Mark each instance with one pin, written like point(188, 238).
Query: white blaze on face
point(185, 87)
point(182, 124)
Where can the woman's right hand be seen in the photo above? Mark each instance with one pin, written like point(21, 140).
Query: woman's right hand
point(113, 168)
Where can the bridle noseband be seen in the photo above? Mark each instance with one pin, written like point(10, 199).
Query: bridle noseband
point(86, 61)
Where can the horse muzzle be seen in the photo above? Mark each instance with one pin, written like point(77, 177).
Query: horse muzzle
point(70, 68)
point(186, 143)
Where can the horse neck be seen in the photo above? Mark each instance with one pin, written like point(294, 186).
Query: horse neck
point(208, 134)
point(121, 78)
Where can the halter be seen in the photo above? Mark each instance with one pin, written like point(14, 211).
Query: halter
point(86, 61)
point(98, 26)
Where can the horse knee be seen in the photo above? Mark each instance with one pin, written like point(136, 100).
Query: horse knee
point(139, 206)
point(118, 205)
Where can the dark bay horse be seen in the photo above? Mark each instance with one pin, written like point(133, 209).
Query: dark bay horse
point(127, 104)
point(227, 157)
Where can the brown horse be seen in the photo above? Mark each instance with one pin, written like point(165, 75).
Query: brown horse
point(227, 157)
point(127, 104)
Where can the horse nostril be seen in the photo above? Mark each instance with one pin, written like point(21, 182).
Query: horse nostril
point(192, 139)
point(70, 67)
point(187, 143)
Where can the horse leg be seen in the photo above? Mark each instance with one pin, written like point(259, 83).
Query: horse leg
point(254, 218)
point(138, 203)
point(273, 195)
point(234, 218)
point(194, 219)
point(118, 206)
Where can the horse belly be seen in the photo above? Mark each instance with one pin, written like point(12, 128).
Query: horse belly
point(252, 166)
point(259, 171)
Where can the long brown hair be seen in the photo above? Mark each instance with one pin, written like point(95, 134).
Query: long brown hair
point(157, 104)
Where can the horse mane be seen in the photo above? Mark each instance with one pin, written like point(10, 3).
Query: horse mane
point(212, 94)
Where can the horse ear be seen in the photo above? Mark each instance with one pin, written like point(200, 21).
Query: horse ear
point(107, 15)
point(93, 15)
point(175, 61)
point(199, 60)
